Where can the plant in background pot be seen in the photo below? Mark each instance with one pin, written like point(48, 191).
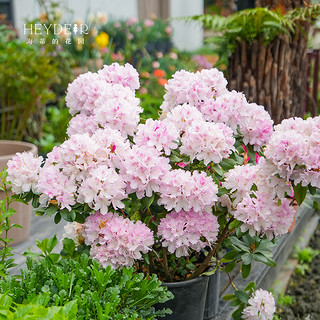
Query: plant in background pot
point(169, 196)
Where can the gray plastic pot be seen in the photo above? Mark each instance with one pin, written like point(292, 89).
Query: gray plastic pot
point(189, 299)
point(23, 213)
point(212, 300)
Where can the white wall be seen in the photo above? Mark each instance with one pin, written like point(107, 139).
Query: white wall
point(186, 36)
point(118, 9)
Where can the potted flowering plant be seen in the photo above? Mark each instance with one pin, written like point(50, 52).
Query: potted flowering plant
point(169, 196)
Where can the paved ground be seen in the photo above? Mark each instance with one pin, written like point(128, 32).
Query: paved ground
point(41, 228)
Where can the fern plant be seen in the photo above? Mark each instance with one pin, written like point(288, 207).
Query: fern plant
point(252, 24)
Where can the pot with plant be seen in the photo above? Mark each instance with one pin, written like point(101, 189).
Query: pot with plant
point(204, 188)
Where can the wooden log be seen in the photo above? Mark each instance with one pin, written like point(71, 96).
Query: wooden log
point(243, 46)
point(253, 89)
point(254, 54)
point(239, 78)
point(246, 88)
point(261, 97)
point(267, 70)
point(260, 67)
point(267, 103)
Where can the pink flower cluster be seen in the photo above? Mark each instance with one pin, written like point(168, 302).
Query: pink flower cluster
point(103, 187)
point(193, 88)
point(157, 133)
point(23, 171)
point(182, 190)
point(262, 214)
point(207, 141)
point(206, 91)
point(107, 98)
point(143, 169)
point(261, 306)
point(183, 116)
point(295, 150)
point(233, 109)
point(182, 231)
point(116, 241)
point(83, 169)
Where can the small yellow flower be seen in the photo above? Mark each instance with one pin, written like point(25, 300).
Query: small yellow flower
point(102, 40)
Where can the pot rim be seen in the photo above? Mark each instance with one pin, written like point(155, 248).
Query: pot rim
point(185, 283)
point(30, 147)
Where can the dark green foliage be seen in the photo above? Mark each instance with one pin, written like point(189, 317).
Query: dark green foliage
point(100, 293)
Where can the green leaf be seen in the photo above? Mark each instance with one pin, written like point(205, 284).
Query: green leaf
point(242, 296)
point(312, 189)
point(234, 224)
point(250, 286)
point(218, 170)
point(247, 258)
point(229, 297)
point(57, 218)
point(300, 193)
point(229, 267)
point(236, 242)
point(245, 270)
point(222, 191)
point(51, 243)
point(51, 210)
point(229, 256)
point(227, 164)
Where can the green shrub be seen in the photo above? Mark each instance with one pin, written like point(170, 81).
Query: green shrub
point(100, 293)
point(36, 309)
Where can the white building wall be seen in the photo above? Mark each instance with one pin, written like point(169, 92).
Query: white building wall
point(185, 37)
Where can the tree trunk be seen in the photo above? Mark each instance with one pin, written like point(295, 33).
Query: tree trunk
point(273, 75)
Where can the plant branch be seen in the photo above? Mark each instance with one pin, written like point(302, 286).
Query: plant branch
point(208, 258)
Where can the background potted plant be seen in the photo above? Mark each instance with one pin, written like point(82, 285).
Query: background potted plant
point(206, 187)
point(25, 78)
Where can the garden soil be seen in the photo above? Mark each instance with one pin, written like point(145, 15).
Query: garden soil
point(306, 290)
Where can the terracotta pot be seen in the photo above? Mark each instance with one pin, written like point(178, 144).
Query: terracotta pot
point(23, 213)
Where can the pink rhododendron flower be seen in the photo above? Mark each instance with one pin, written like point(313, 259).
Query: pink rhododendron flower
point(181, 190)
point(207, 141)
point(295, 150)
point(262, 214)
point(82, 123)
point(111, 147)
point(183, 116)
point(103, 187)
point(125, 75)
point(239, 181)
point(116, 241)
point(182, 231)
point(23, 171)
point(157, 133)
point(53, 184)
point(118, 108)
point(83, 92)
point(261, 306)
point(193, 88)
point(143, 169)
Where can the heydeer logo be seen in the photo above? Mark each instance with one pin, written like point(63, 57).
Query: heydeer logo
point(57, 29)
point(61, 33)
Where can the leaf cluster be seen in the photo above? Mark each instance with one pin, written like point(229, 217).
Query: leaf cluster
point(36, 309)
point(100, 293)
point(247, 249)
point(240, 299)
